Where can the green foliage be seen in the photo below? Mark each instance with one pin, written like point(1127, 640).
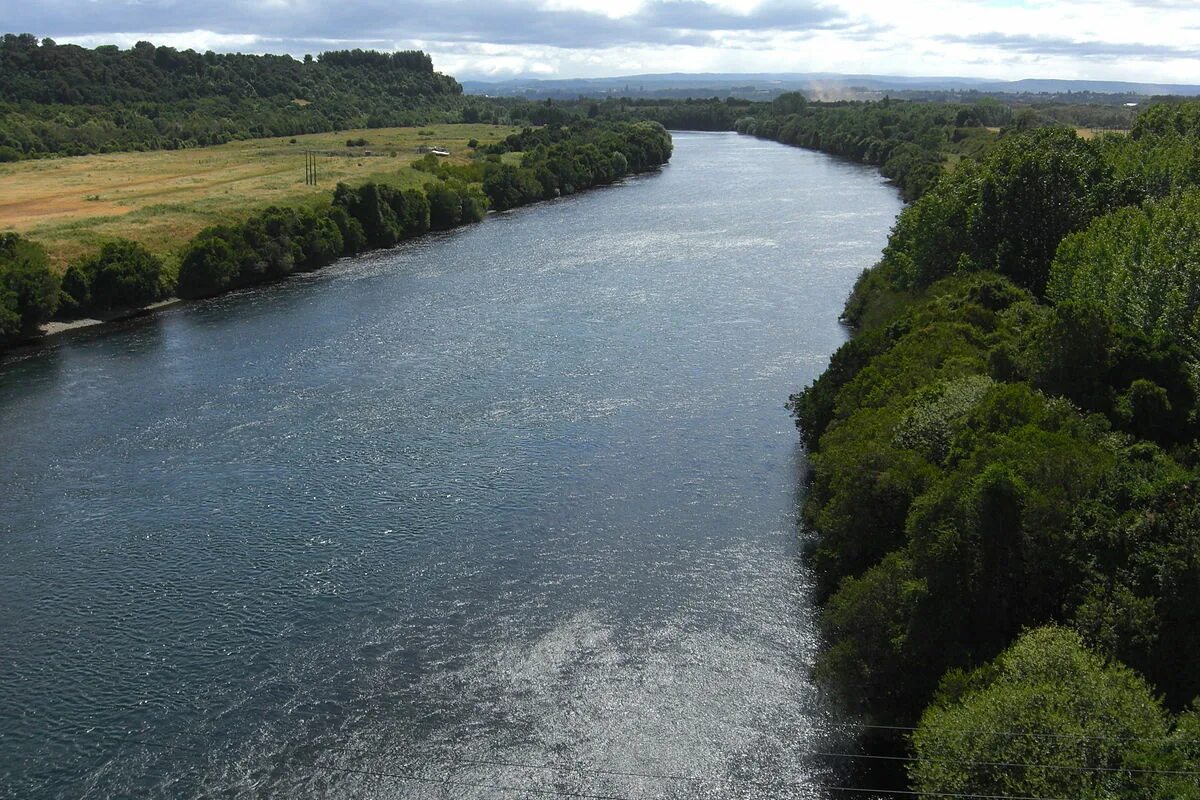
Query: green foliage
point(1050, 718)
point(692, 114)
point(1142, 383)
point(932, 237)
point(453, 203)
point(1143, 608)
point(566, 160)
point(1036, 189)
point(1151, 166)
point(937, 413)
point(29, 290)
point(387, 215)
point(813, 408)
point(1142, 265)
point(122, 275)
point(276, 242)
point(871, 661)
point(907, 141)
point(445, 206)
point(71, 100)
point(1164, 120)
point(1009, 213)
point(986, 460)
point(953, 510)
point(270, 245)
point(208, 266)
point(508, 187)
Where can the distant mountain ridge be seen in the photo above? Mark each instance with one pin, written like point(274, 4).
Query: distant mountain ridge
point(769, 83)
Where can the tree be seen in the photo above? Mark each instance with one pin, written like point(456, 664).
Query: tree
point(1142, 265)
point(123, 274)
point(1048, 718)
point(29, 290)
point(208, 266)
point(445, 206)
point(1035, 189)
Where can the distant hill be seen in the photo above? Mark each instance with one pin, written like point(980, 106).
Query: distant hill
point(72, 100)
point(819, 85)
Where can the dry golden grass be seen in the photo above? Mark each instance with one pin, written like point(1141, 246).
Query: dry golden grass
point(1084, 133)
point(1092, 133)
point(162, 199)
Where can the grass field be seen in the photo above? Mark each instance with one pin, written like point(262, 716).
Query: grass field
point(1092, 133)
point(162, 199)
point(1085, 133)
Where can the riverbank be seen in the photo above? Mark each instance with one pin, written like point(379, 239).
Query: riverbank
point(163, 198)
point(1004, 477)
point(524, 168)
point(523, 494)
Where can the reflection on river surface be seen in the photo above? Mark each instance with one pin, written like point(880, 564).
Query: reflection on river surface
point(428, 521)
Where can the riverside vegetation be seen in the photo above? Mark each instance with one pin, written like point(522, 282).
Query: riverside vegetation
point(161, 199)
point(1004, 456)
point(278, 241)
point(66, 100)
point(160, 98)
point(1005, 470)
point(69, 100)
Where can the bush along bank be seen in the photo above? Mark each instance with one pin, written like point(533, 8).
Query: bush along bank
point(910, 142)
point(1005, 494)
point(277, 242)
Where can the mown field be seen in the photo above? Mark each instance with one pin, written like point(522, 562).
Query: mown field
point(163, 198)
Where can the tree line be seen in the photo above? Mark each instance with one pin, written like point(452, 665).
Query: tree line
point(1005, 488)
point(69, 100)
point(909, 142)
point(277, 242)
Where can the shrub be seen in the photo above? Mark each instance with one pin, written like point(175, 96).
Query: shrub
point(208, 266)
point(123, 274)
point(29, 290)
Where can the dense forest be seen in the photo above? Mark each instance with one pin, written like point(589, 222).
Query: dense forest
point(69, 100)
point(279, 241)
point(1003, 494)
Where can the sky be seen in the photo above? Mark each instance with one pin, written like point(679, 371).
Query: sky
point(1132, 40)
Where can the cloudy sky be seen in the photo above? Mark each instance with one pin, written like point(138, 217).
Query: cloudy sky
point(1137, 40)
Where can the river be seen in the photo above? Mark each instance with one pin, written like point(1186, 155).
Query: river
point(509, 511)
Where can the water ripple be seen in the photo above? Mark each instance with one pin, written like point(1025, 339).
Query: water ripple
point(523, 493)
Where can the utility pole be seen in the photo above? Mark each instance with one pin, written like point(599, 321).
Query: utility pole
point(310, 168)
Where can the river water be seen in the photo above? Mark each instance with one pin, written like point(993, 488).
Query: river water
point(503, 512)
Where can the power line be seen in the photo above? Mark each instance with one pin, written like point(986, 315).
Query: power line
point(961, 762)
point(851, 727)
point(761, 784)
point(603, 772)
point(467, 784)
point(692, 778)
point(600, 772)
point(911, 729)
point(696, 778)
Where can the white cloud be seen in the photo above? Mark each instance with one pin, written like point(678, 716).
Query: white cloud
point(198, 40)
point(1140, 40)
